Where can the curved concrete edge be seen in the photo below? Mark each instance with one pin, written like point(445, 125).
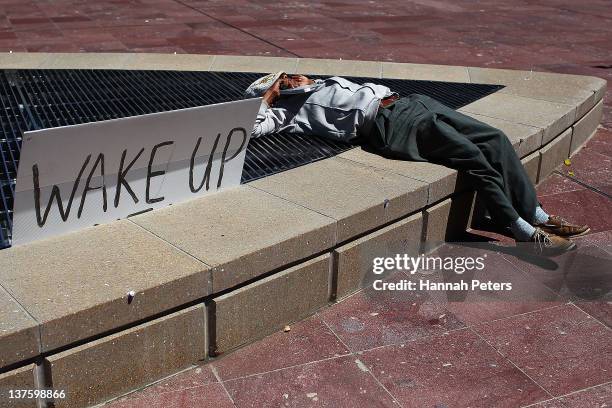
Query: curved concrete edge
point(550, 102)
point(563, 88)
point(164, 259)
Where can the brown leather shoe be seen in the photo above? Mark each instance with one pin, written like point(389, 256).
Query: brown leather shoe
point(549, 244)
point(558, 226)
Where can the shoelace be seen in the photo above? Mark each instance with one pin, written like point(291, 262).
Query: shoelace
point(542, 238)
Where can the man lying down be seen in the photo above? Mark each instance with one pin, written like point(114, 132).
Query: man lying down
point(415, 128)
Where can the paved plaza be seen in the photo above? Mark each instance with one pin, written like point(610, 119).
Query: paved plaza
point(383, 349)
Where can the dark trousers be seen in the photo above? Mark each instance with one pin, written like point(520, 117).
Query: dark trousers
point(420, 128)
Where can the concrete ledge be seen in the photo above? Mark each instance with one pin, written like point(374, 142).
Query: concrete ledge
point(531, 164)
point(94, 61)
point(354, 260)
point(441, 181)
point(582, 91)
point(585, 127)
point(19, 336)
point(358, 197)
point(372, 69)
point(525, 139)
point(553, 154)
point(233, 249)
point(97, 371)
point(552, 117)
point(76, 286)
point(19, 379)
point(265, 306)
point(242, 233)
point(252, 64)
point(425, 72)
point(174, 62)
point(448, 219)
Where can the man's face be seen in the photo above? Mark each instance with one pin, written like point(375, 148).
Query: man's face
point(293, 81)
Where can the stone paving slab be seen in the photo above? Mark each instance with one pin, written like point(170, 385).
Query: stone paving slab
point(554, 153)
point(372, 69)
point(525, 139)
point(446, 220)
point(91, 61)
point(358, 197)
point(553, 117)
point(175, 62)
point(531, 164)
point(76, 285)
point(582, 91)
point(242, 232)
point(23, 60)
point(19, 336)
point(18, 379)
point(441, 181)
point(584, 128)
point(95, 371)
point(253, 64)
point(426, 72)
point(355, 259)
point(265, 306)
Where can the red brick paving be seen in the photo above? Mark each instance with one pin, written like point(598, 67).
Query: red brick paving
point(376, 318)
point(563, 349)
point(555, 36)
point(338, 382)
point(457, 369)
point(581, 206)
point(558, 184)
point(310, 341)
point(551, 351)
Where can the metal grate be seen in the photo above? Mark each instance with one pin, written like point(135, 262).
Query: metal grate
point(38, 99)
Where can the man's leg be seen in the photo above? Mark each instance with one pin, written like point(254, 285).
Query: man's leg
point(442, 143)
point(500, 155)
point(420, 128)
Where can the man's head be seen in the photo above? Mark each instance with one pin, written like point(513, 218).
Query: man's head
point(260, 86)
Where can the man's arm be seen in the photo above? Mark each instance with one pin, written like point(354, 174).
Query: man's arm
point(269, 119)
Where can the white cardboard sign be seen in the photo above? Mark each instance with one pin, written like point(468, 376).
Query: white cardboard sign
point(77, 176)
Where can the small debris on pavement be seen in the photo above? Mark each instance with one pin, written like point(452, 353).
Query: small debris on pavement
point(287, 328)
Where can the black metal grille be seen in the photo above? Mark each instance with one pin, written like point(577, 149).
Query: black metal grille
point(38, 99)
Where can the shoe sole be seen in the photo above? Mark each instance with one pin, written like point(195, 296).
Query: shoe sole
point(579, 235)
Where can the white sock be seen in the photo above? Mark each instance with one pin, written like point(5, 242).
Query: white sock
point(540, 216)
point(522, 230)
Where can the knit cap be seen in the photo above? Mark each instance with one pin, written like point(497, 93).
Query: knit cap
point(260, 86)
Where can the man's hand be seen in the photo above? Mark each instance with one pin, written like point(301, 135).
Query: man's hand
point(273, 93)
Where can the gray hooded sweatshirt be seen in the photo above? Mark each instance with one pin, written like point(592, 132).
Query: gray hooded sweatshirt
point(334, 108)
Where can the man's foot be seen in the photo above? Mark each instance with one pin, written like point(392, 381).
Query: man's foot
point(558, 226)
point(550, 244)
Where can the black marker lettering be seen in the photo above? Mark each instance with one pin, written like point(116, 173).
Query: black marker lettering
point(151, 174)
point(87, 188)
point(206, 177)
point(227, 143)
point(55, 194)
point(121, 177)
